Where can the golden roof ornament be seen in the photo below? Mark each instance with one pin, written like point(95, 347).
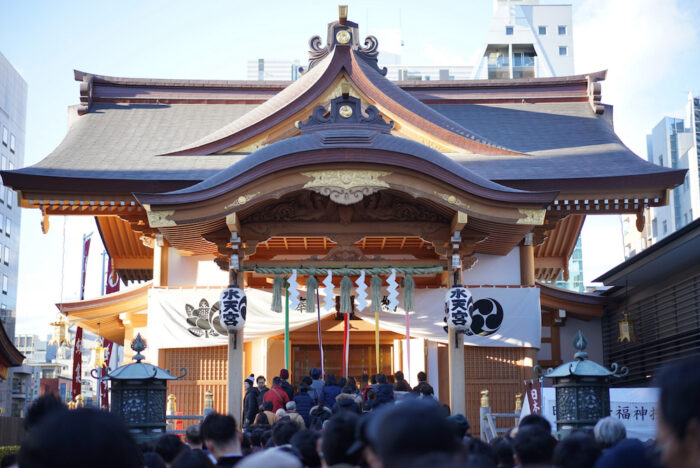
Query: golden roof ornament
point(59, 335)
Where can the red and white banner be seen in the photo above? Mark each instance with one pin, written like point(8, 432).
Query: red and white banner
point(112, 282)
point(104, 393)
point(86, 251)
point(534, 396)
point(77, 364)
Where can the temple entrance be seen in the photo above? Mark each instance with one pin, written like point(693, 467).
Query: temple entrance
point(362, 360)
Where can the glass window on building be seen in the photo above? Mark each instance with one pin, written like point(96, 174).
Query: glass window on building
point(563, 50)
point(8, 223)
point(2, 222)
point(654, 228)
point(665, 226)
point(562, 30)
point(4, 284)
point(509, 30)
point(2, 194)
point(661, 160)
point(5, 136)
point(4, 163)
point(12, 142)
point(542, 30)
point(6, 255)
point(9, 196)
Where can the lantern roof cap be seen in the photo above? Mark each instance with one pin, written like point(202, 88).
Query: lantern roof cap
point(141, 370)
point(581, 366)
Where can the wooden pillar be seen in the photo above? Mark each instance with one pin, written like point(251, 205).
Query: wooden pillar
point(235, 342)
point(160, 261)
point(527, 261)
point(455, 352)
point(455, 346)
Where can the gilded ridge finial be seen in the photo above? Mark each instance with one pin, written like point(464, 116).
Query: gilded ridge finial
point(342, 14)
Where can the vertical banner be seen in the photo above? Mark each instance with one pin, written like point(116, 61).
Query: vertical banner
point(534, 396)
point(104, 394)
point(77, 364)
point(346, 344)
point(112, 284)
point(318, 327)
point(86, 251)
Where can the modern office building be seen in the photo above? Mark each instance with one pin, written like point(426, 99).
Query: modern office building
point(272, 70)
point(13, 109)
point(673, 142)
point(14, 386)
point(527, 40)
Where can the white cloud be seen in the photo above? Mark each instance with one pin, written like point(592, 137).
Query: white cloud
point(640, 43)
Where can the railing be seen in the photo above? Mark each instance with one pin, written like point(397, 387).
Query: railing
point(172, 417)
point(489, 429)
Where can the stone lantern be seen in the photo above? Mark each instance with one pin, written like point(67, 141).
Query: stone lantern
point(139, 395)
point(582, 389)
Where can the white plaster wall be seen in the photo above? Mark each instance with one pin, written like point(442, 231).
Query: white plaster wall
point(593, 332)
point(196, 270)
point(495, 269)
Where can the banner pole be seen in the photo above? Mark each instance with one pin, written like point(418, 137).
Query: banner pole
point(286, 325)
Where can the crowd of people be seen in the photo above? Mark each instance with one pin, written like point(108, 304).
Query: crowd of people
point(377, 424)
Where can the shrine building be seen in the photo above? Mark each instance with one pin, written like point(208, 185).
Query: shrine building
point(343, 176)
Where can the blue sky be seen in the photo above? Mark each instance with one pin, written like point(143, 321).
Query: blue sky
point(649, 48)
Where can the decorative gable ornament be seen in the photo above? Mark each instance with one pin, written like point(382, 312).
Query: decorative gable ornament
point(459, 305)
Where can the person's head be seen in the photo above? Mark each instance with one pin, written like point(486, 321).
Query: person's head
point(533, 445)
point(422, 376)
point(398, 376)
point(261, 382)
point(291, 406)
point(284, 374)
point(192, 459)
point(402, 386)
point(282, 432)
point(353, 382)
point(373, 380)
point(276, 381)
point(349, 389)
point(578, 450)
point(78, 438)
point(459, 425)
point(338, 435)
point(381, 379)
point(479, 453)
point(153, 460)
point(365, 378)
point(315, 373)
point(41, 408)
point(220, 434)
point(426, 390)
point(306, 380)
point(305, 442)
point(342, 382)
point(609, 431)
point(169, 446)
point(280, 413)
point(678, 427)
point(401, 433)
point(193, 436)
point(270, 458)
point(536, 420)
point(267, 405)
point(629, 453)
point(503, 449)
point(330, 379)
point(303, 388)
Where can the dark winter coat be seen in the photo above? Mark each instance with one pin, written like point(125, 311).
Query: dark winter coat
point(288, 389)
point(346, 404)
point(385, 393)
point(328, 395)
point(304, 404)
point(250, 405)
point(261, 394)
